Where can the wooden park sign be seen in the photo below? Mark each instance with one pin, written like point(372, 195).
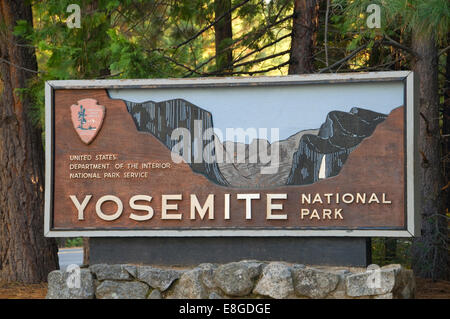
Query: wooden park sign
point(313, 155)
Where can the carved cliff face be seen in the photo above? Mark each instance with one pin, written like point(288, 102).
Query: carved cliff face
point(323, 155)
point(163, 118)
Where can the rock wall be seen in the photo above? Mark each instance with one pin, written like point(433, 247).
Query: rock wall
point(244, 279)
point(161, 118)
point(338, 136)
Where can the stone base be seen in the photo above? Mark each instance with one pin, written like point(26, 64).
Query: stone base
point(244, 279)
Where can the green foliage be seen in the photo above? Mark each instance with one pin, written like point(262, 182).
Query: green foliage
point(420, 15)
point(129, 60)
point(72, 242)
point(397, 16)
point(402, 254)
point(64, 53)
point(34, 92)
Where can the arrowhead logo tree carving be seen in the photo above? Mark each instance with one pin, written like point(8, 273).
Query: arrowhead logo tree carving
point(87, 118)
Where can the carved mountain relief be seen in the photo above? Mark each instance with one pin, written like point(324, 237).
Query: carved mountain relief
point(303, 158)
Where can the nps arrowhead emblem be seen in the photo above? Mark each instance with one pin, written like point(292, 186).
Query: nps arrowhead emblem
point(87, 118)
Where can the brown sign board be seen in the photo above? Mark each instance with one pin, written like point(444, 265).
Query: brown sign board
point(310, 155)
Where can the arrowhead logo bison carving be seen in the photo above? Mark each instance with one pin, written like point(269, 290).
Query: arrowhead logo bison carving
point(87, 118)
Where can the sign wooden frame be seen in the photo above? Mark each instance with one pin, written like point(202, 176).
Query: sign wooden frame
point(411, 157)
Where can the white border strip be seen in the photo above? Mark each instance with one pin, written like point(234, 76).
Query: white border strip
point(413, 218)
point(48, 157)
point(412, 153)
point(230, 233)
point(230, 81)
point(409, 172)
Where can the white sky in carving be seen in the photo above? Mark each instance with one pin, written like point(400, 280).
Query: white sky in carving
point(289, 108)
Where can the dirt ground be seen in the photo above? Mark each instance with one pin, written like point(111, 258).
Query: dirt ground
point(426, 289)
point(21, 291)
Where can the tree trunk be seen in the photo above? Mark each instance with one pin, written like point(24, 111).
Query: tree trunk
point(85, 250)
point(25, 254)
point(446, 125)
point(390, 249)
point(304, 32)
point(446, 144)
point(429, 255)
point(223, 36)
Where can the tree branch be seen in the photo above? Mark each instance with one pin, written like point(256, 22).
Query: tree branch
point(443, 50)
point(253, 72)
point(343, 60)
point(210, 25)
point(181, 65)
point(325, 36)
point(398, 45)
point(275, 18)
point(263, 47)
point(21, 67)
point(262, 59)
point(262, 31)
